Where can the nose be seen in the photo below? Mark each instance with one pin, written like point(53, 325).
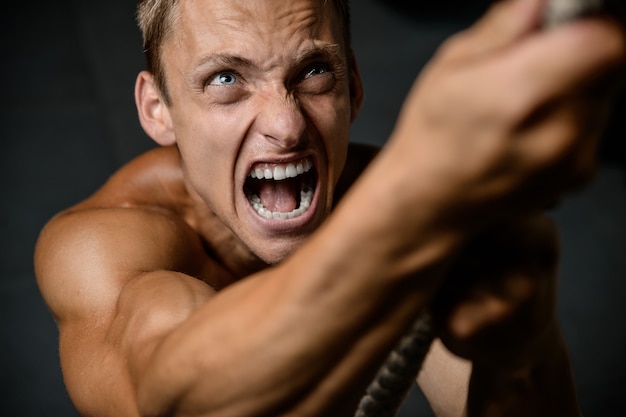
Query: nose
point(280, 119)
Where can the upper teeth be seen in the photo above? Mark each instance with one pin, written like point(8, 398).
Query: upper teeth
point(281, 171)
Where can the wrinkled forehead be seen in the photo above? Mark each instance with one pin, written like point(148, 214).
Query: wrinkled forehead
point(269, 25)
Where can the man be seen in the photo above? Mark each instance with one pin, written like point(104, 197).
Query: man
point(208, 277)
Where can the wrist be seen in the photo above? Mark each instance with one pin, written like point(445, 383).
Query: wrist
point(407, 230)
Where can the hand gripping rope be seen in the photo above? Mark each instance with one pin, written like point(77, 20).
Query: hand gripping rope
point(387, 391)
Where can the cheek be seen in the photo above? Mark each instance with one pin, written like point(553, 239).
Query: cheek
point(209, 149)
point(211, 135)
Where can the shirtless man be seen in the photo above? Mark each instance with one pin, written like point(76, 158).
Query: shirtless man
point(208, 277)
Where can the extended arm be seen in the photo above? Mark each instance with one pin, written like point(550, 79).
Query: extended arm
point(149, 340)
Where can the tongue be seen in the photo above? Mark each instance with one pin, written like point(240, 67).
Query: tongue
point(278, 196)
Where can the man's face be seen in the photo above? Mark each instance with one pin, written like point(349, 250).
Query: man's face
point(261, 109)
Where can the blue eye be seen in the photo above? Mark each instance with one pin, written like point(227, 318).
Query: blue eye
point(224, 78)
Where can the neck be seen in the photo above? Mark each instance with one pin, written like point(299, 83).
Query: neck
point(220, 243)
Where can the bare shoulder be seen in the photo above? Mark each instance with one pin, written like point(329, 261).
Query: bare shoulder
point(84, 258)
point(86, 254)
point(119, 271)
point(153, 179)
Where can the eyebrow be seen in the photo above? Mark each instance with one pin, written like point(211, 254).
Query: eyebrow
point(224, 60)
point(330, 52)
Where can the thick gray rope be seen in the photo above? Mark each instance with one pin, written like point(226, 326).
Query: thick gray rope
point(385, 394)
point(397, 375)
point(560, 11)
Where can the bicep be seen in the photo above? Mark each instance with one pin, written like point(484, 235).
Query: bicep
point(103, 360)
point(150, 307)
point(114, 297)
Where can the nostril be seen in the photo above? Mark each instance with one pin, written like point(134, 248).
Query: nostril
point(284, 142)
point(282, 122)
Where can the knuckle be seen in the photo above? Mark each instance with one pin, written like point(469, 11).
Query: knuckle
point(453, 47)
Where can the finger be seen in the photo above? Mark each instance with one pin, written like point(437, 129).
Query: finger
point(499, 272)
point(563, 147)
point(504, 22)
point(474, 315)
point(552, 64)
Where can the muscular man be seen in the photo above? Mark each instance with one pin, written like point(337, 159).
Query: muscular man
point(221, 274)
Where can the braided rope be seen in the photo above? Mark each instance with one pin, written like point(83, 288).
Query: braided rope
point(395, 378)
point(560, 11)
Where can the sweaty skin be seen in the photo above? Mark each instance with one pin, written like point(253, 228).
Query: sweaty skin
point(176, 294)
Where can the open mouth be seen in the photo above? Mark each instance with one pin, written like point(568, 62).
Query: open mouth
point(281, 191)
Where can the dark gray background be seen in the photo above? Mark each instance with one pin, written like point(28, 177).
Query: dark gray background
point(67, 121)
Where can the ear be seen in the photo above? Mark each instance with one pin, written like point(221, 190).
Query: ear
point(356, 87)
point(154, 114)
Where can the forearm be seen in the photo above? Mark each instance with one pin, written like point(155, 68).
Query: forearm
point(543, 388)
point(234, 357)
point(309, 333)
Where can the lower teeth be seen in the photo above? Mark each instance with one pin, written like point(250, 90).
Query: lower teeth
point(306, 196)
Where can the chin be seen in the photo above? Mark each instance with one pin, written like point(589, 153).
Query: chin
point(276, 252)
